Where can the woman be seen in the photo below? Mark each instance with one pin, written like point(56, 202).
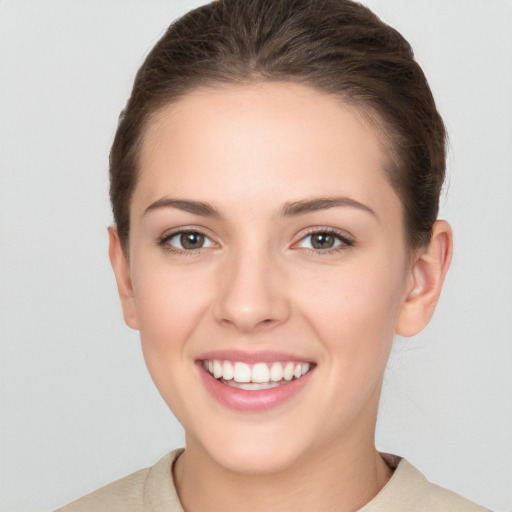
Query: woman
point(275, 181)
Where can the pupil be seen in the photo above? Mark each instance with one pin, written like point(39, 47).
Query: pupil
point(192, 240)
point(322, 241)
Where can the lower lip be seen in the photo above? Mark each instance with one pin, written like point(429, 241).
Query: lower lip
point(252, 400)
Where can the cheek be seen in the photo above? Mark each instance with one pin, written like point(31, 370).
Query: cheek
point(355, 310)
point(353, 315)
point(170, 305)
point(167, 301)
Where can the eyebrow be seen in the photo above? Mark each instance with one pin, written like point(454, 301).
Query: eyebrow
point(195, 207)
point(291, 209)
point(322, 203)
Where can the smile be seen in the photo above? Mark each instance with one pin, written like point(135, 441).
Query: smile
point(256, 376)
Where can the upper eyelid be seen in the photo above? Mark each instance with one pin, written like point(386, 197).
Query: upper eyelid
point(163, 239)
point(343, 234)
point(346, 241)
point(169, 233)
point(324, 229)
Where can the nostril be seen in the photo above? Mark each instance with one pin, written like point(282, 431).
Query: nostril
point(250, 307)
point(265, 323)
point(268, 322)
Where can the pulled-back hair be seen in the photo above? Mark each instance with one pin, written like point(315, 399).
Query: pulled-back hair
point(336, 46)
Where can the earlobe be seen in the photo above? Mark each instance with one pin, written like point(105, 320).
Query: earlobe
point(427, 277)
point(121, 267)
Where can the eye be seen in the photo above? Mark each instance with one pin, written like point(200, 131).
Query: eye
point(325, 240)
point(186, 241)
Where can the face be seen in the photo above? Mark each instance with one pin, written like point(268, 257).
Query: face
point(267, 272)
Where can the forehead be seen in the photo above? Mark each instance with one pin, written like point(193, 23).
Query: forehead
point(262, 139)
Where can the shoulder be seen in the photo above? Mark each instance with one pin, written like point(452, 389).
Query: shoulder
point(124, 494)
point(409, 490)
point(147, 489)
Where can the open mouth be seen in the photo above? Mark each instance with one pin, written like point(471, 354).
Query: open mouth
point(256, 376)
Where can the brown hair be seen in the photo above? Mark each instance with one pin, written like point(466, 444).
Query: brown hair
point(336, 46)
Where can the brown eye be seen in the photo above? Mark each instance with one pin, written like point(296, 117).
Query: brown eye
point(186, 241)
point(191, 240)
point(322, 241)
point(325, 241)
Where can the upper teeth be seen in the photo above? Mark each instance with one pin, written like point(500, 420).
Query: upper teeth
point(259, 372)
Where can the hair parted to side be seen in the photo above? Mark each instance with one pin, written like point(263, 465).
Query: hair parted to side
point(336, 46)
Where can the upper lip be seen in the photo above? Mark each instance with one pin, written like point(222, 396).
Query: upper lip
point(265, 356)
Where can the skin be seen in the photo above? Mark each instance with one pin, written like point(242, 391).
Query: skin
point(258, 284)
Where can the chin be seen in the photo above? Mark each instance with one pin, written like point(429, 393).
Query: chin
point(253, 460)
point(255, 450)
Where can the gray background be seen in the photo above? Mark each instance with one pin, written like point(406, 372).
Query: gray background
point(78, 408)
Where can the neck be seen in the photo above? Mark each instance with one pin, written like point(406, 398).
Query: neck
point(341, 478)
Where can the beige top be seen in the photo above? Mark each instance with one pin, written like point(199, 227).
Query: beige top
point(152, 490)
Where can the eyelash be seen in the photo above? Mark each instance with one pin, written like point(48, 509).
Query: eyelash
point(345, 242)
point(163, 241)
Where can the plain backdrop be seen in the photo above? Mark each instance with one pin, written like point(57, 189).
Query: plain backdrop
point(78, 408)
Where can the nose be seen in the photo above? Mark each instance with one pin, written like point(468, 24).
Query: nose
point(252, 293)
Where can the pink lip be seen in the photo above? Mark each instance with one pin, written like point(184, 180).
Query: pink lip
point(255, 400)
point(251, 357)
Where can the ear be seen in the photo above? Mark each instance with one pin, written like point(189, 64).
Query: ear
point(428, 271)
point(121, 267)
